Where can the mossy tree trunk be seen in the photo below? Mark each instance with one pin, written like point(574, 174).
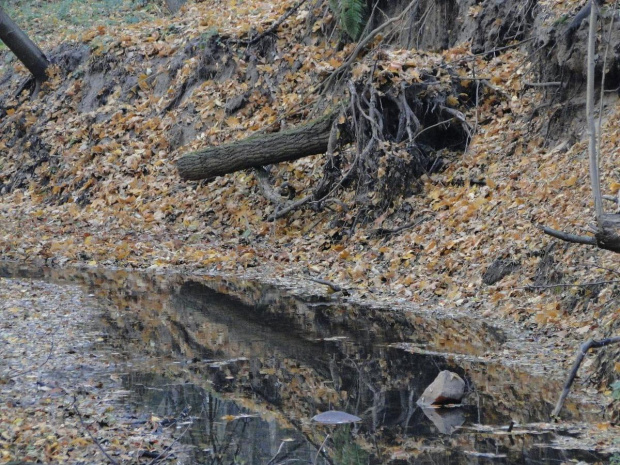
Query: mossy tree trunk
point(255, 151)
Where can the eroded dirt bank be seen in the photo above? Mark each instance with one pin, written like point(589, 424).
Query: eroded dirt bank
point(87, 171)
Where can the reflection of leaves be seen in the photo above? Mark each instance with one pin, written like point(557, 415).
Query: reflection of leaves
point(346, 450)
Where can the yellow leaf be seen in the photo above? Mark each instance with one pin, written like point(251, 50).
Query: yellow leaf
point(80, 442)
point(452, 101)
point(122, 251)
point(571, 181)
point(480, 201)
point(335, 62)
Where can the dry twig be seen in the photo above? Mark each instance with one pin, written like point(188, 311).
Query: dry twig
point(567, 237)
point(274, 26)
point(94, 439)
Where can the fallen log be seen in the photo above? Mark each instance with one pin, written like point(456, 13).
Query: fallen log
point(260, 150)
point(24, 49)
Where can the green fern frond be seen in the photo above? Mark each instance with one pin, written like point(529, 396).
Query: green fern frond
point(335, 7)
point(351, 14)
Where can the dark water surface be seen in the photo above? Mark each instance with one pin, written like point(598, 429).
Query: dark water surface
point(242, 367)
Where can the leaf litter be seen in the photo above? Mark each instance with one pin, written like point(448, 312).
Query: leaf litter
point(58, 392)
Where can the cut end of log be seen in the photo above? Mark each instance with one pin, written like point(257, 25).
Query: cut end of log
point(608, 237)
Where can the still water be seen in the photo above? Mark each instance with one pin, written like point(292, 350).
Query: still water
point(240, 368)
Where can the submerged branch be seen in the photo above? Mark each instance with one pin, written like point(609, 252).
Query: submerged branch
point(581, 353)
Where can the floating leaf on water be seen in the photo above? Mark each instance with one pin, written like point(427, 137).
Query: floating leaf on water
point(335, 417)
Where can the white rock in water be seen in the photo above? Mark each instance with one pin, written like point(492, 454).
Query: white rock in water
point(335, 417)
point(448, 388)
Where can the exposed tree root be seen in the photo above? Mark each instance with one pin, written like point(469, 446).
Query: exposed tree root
point(342, 69)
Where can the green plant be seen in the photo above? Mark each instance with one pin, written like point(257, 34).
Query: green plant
point(352, 15)
point(346, 451)
point(615, 459)
point(615, 390)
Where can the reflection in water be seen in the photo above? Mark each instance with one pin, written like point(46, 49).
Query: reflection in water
point(250, 365)
point(446, 420)
point(221, 431)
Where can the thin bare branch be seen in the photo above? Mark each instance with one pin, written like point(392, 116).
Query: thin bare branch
point(275, 25)
point(581, 353)
point(567, 237)
point(94, 439)
point(527, 84)
point(262, 176)
point(30, 370)
point(334, 287)
point(553, 286)
point(280, 212)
